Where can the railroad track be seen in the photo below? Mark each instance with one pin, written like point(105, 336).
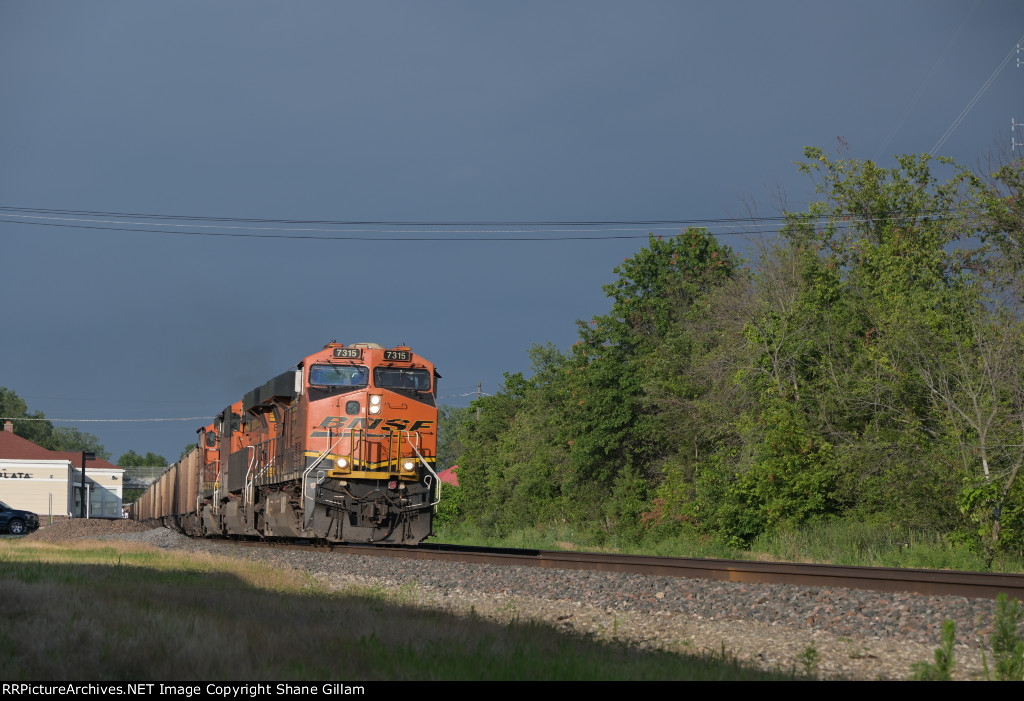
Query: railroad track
point(884, 579)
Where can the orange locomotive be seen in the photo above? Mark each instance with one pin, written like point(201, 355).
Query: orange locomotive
point(342, 449)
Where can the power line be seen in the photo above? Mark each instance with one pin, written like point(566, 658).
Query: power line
point(970, 105)
point(335, 238)
point(467, 394)
point(741, 224)
point(417, 223)
point(28, 418)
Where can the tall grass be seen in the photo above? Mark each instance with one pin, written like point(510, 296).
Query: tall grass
point(853, 542)
point(840, 542)
point(562, 537)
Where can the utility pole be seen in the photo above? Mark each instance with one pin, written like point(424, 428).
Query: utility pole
point(1014, 124)
point(479, 391)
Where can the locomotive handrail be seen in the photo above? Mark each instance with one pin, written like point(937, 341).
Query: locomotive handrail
point(356, 438)
point(426, 465)
point(264, 467)
point(249, 476)
point(208, 473)
point(215, 506)
point(394, 451)
point(330, 446)
point(265, 470)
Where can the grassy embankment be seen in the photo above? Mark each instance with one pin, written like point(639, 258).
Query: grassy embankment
point(840, 542)
point(132, 612)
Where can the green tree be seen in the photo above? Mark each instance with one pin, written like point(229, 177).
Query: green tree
point(133, 459)
point(575, 442)
point(34, 427)
point(71, 439)
point(866, 367)
point(450, 426)
point(14, 407)
point(481, 466)
point(834, 416)
point(905, 338)
point(618, 438)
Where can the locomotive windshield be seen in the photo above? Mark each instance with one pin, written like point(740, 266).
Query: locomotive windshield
point(338, 375)
point(402, 379)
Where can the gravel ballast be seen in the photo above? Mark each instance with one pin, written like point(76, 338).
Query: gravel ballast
point(855, 634)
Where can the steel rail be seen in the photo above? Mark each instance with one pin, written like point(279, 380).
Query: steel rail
point(883, 579)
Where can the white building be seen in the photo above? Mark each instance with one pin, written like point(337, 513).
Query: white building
point(49, 482)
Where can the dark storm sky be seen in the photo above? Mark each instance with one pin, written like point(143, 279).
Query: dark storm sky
point(415, 112)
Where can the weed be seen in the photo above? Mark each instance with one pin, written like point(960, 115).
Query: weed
point(942, 670)
point(408, 593)
point(312, 584)
point(602, 631)
point(854, 650)
point(1007, 646)
point(809, 660)
point(512, 611)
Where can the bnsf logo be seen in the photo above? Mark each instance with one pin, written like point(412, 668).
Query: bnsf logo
point(333, 425)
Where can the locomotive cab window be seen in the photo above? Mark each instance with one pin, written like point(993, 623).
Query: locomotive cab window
point(408, 379)
point(338, 375)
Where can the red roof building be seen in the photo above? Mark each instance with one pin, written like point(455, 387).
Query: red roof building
point(14, 447)
point(50, 482)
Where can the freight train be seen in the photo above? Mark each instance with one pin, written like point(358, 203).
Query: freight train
point(342, 449)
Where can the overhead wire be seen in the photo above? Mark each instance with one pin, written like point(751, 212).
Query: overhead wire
point(344, 222)
point(467, 394)
point(181, 418)
point(970, 105)
point(47, 418)
point(599, 230)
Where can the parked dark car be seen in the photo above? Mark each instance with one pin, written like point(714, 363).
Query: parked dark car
point(16, 521)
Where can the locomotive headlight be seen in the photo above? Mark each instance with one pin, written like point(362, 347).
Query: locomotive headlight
point(374, 399)
point(409, 465)
point(375, 403)
point(375, 408)
point(342, 463)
